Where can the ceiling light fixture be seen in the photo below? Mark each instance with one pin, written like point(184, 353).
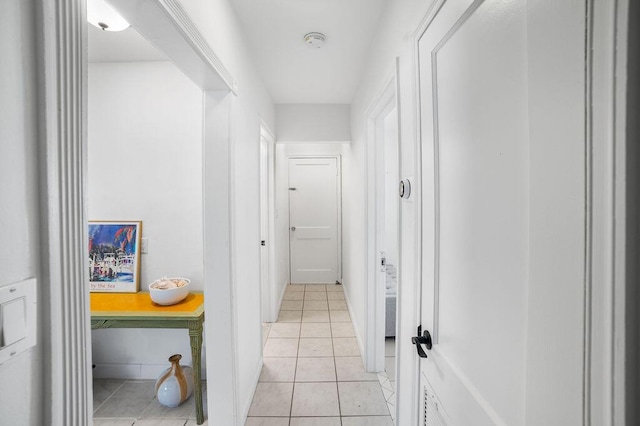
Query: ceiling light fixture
point(315, 40)
point(105, 17)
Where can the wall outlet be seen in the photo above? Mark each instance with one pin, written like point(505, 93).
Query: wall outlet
point(144, 245)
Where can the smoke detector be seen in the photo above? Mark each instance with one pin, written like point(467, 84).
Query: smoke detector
point(315, 40)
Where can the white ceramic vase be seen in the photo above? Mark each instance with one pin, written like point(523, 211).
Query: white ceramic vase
point(175, 384)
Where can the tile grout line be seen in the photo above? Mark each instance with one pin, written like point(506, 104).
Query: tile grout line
point(95, 409)
point(295, 371)
point(335, 366)
point(331, 338)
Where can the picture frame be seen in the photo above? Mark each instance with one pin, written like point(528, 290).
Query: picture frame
point(114, 256)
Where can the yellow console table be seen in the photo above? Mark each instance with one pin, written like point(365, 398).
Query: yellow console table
point(136, 310)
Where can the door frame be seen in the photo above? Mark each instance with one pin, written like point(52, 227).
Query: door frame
point(65, 295)
point(176, 35)
point(612, 330)
point(338, 159)
point(269, 296)
point(382, 106)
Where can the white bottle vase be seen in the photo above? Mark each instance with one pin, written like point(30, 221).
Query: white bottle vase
point(175, 384)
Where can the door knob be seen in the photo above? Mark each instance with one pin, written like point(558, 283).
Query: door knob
point(424, 339)
point(293, 228)
point(405, 188)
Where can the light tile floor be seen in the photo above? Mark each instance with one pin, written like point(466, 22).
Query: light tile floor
point(132, 402)
point(313, 373)
point(387, 378)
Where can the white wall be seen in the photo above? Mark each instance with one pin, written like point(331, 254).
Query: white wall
point(217, 22)
point(219, 25)
point(21, 383)
point(313, 122)
point(399, 21)
point(246, 250)
point(145, 149)
point(283, 152)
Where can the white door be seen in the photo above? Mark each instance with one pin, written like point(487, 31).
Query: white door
point(314, 204)
point(493, 200)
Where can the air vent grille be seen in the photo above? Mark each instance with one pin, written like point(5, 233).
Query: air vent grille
point(432, 415)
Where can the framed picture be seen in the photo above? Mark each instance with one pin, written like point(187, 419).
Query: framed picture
point(114, 256)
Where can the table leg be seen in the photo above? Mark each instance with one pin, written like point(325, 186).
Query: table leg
point(195, 335)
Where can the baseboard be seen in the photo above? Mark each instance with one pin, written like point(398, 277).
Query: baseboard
point(121, 371)
point(134, 371)
point(355, 328)
point(247, 405)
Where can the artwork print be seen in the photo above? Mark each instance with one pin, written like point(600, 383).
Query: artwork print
point(114, 256)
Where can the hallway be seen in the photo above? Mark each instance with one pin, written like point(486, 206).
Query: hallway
point(517, 205)
point(313, 373)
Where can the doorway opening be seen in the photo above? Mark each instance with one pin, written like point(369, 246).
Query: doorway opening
point(384, 237)
point(183, 103)
point(127, 179)
point(389, 220)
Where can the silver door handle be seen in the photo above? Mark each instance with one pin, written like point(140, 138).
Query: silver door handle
point(293, 228)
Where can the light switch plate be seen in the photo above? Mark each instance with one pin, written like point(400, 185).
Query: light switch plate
point(13, 322)
point(17, 318)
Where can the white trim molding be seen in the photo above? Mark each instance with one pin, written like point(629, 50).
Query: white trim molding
point(607, 368)
point(169, 28)
point(63, 129)
point(182, 21)
point(270, 301)
point(220, 294)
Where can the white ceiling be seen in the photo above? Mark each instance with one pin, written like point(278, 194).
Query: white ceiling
point(292, 71)
point(295, 72)
point(122, 46)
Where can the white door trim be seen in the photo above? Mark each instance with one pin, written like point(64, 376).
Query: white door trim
point(270, 298)
point(416, 396)
point(219, 107)
point(606, 368)
point(65, 326)
point(338, 159)
point(375, 303)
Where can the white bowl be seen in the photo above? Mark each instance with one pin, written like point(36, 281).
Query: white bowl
point(169, 296)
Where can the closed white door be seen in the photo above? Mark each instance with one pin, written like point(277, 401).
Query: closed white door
point(314, 204)
point(498, 269)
